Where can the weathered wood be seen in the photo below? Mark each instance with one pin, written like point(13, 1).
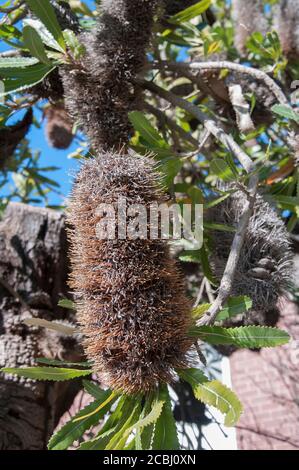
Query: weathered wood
point(33, 277)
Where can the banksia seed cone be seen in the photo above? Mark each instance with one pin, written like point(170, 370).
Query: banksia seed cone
point(100, 96)
point(249, 17)
point(59, 127)
point(265, 265)
point(130, 295)
point(11, 136)
point(286, 23)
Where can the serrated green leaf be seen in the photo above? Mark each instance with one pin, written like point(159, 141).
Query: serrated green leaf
point(191, 12)
point(44, 33)
point(220, 168)
point(119, 440)
point(46, 13)
point(73, 430)
point(16, 62)
point(114, 423)
point(150, 418)
point(235, 306)
point(243, 337)
point(286, 112)
point(47, 373)
point(56, 362)
point(147, 131)
point(31, 77)
point(214, 393)
point(165, 433)
point(198, 312)
point(33, 42)
point(92, 388)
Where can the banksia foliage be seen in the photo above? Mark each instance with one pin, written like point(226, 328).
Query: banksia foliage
point(131, 301)
point(100, 95)
point(286, 23)
point(265, 267)
point(59, 127)
point(248, 16)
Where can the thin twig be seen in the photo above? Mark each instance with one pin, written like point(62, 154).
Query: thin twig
point(211, 126)
point(219, 65)
point(162, 117)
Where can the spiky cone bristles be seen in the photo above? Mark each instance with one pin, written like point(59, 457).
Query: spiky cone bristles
point(131, 300)
point(265, 265)
point(249, 17)
point(100, 94)
point(59, 126)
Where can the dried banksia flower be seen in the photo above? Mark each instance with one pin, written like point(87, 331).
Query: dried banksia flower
point(59, 127)
point(100, 95)
point(265, 265)
point(11, 136)
point(286, 23)
point(249, 17)
point(130, 295)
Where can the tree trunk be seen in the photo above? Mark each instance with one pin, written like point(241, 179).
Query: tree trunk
point(33, 277)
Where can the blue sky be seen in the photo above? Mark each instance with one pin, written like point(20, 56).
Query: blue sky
point(50, 156)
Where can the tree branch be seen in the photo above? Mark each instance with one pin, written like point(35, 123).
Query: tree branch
point(211, 126)
point(242, 69)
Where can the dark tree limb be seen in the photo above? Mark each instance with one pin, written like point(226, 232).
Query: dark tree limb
point(33, 270)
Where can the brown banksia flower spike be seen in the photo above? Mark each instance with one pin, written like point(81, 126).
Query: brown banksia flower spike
point(265, 265)
point(11, 136)
point(130, 294)
point(100, 95)
point(59, 126)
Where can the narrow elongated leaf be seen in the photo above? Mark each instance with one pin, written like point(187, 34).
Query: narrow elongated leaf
point(56, 362)
point(66, 303)
point(72, 431)
point(51, 325)
point(114, 423)
point(214, 393)
point(146, 130)
point(119, 440)
point(47, 373)
point(32, 78)
point(286, 112)
point(198, 312)
point(44, 33)
point(150, 418)
point(165, 433)
point(33, 42)
point(46, 13)
point(92, 388)
point(191, 12)
point(16, 62)
point(220, 168)
point(243, 337)
point(235, 306)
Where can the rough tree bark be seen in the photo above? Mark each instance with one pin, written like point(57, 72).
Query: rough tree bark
point(33, 275)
